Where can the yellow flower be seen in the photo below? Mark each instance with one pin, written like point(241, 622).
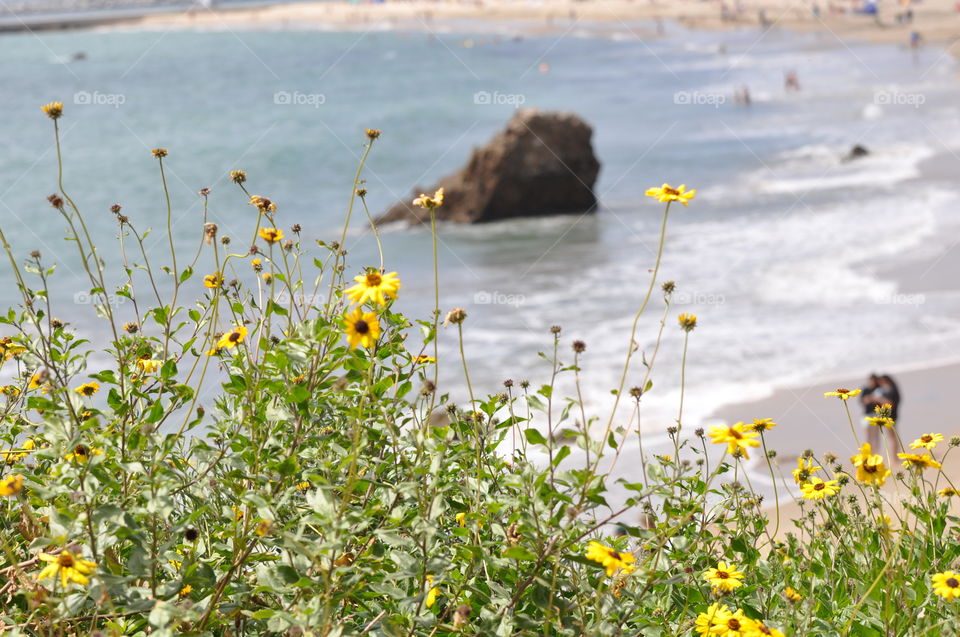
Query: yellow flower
point(759, 629)
point(214, 280)
point(725, 577)
point(870, 466)
point(88, 389)
point(374, 286)
point(39, 381)
point(763, 424)
point(918, 461)
point(804, 470)
point(9, 348)
point(843, 394)
point(186, 590)
point(734, 624)
point(264, 527)
point(712, 620)
point(11, 485)
point(82, 453)
point(237, 513)
point(11, 456)
point(429, 203)
point(10, 390)
point(880, 421)
point(666, 193)
point(461, 518)
point(792, 595)
point(423, 359)
point(817, 489)
point(69, 566)
point(303, 486)
point(148, 365)
point(687, 322)
point(362, 328)
point(609, 558)
point(927, 441)
point(432, 594)
point(271, 235)
point(736, 438)
point(159, 153)
point(53, 110)
point(948, 492)
point(946, 585)
point(232, 338)
point(256, 264)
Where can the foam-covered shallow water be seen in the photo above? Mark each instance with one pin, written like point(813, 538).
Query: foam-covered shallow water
point(777, 255)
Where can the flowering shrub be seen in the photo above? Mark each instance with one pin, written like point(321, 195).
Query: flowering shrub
point(331, 489)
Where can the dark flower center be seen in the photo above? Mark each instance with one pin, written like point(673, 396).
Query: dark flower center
point(723, 575)
point(361, 327)
point(234, 337)
point(952, 582)
point(65, 560)
point(735, 434)
point(80, 450)
point(733, 623)
point(926, 438)
point(819, 486)
point(615, 555)
point(374, 279)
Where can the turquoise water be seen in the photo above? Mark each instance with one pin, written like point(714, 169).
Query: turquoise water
point(779, 249)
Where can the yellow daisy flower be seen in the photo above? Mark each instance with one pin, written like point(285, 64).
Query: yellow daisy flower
point(725, 577)
point(609, 558)
point(917, 461)
point(759, 629)
point(870, 466)
point(946, 585)
point(880, 421)
point(792, 595)
point(186, 590)
point(666, 193)
point(817, 489)
point(214, 280)
point(429, 203)
point(763, 424)
point(362, 328)
point(148, 365)
point(53, 110)
point(735, 624)
point(688, 322)
point(843, 393)
point(374, 286)
point(69, 566)
point(88, 389)
point(423, 359)
point(736, 438)
point(461, 518)
point(805, 469)
point(11, 485)
point(712, 620)
point(926, 441)
point(948, 492)
point(232, 338)
point(83, 453)
point(271, 235)
point(432, 594)
point(262, 203)
point(303, 486)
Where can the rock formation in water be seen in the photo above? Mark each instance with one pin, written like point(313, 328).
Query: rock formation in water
point(542, 163)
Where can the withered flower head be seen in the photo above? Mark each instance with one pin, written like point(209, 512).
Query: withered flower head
point(238, 176)
point(204, 192)
point(209, 232)
point(56, 201)
point(159, 153)
point(373, 133)
point(455, 316)
point(116, 208)
point(53, 110)
point(131, 328)
point(579, 347)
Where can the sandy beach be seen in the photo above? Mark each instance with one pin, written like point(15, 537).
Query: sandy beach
point(937, 21)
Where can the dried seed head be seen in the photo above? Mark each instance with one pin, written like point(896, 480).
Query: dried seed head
point(204, 192)
point(209, 232)
point(56, 201)
point(159, 153)
point(238, 176)
point(116, 208)
point(373, 133)
point(579, 347)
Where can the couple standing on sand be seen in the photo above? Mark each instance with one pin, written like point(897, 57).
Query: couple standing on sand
point(879, 391)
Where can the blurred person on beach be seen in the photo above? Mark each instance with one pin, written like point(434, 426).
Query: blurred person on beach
point(881, 390)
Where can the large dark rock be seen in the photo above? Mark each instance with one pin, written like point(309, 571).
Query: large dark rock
point(542, 163)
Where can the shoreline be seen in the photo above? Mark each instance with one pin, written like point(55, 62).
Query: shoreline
point(937, 21)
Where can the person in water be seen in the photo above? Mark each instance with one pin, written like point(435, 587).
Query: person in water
point(881, 390)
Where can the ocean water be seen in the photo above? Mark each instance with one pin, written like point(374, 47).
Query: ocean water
point(777, 255)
